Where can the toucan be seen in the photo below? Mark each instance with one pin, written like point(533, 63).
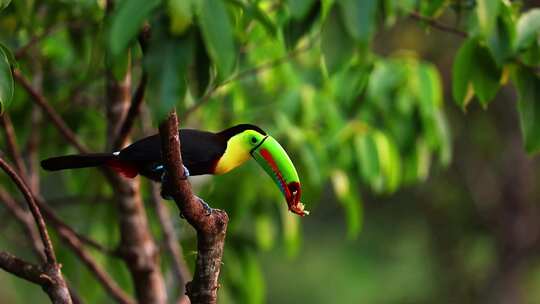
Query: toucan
point(203, 152)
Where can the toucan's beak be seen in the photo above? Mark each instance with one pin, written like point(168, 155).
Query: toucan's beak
point(275, 161)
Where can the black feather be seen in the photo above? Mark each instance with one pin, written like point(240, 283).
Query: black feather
point(76, 161)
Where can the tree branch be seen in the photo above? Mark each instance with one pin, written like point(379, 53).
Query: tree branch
point(36, 213)
point(210, 228)
point(51, 113)
point(57, 289)
point(246, 73)
point(11, 143)
point(25, 218)
point(180, 269)
point(436, 24)
point(23, 269)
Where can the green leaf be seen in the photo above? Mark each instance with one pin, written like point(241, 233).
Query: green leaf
point(462, 74)
point(528, 29)
point(350, 200)
point(181, 15)
point(368, 160)
point(6, 81)
point(528, 87)
point(486, 75)
point(431, 8)
point(359, 18)
point(126, 22)
point(337, 46)
point(166, 64)
point(4, 4)
point(502, 39)
point(487, 12)
point(299, 8)
point(217, 34)
point(296, 28)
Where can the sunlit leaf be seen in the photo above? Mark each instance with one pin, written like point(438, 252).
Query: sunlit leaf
point(217, 34)
point(265, 231)
point(350, 200)
point(6, 81)
point(528, 28)
point(4, 4)
point(528, 86)
point(487, 12)
point(126, 22)
point(462, 74)
point(368, 160)
point(181, 15)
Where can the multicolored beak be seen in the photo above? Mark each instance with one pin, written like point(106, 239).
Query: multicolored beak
point(272, 157)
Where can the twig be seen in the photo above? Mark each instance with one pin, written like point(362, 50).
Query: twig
point(11, 142)
point(136, 101)
point(102, 276)
point(36, 213)
point(19, 53)
point(180, 268)
point(436, 24)
point(133, 112)
point(51, 113)
point(23, 269)
point(210, 228)
point(57, 289)
point(26, 220)
point(248, 72)
point(137, 246)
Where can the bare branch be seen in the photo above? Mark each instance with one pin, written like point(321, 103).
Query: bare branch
point(102, 276)
point(246, 73)
point(180, 268)
point(68, 134)
point(11, 142)
point(436, 24)
point(25, 218)
point(210, 228)
point(23, 269)
point(36, 213)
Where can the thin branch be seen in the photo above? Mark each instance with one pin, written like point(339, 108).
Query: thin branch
point(246, 73)
point(68, 134)
point(210, 228)
point(36, 213)
point(11, 142)
point(19, 53)
point(25, 218)
point(102, 276)
point(180, 268)
point(23, 269)
point(436, 24)
point(133, 112)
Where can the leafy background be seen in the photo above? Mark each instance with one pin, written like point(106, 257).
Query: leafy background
point(413, 125)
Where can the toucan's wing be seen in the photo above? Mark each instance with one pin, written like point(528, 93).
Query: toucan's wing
point(200, 150)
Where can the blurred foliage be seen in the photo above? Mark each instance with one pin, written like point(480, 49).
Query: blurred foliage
point(353, 118)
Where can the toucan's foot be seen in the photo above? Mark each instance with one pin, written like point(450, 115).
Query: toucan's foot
point(206, 207)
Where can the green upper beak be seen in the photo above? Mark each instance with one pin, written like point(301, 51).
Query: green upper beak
point(272, 157)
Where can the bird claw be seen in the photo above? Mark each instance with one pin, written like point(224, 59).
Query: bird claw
point(205, 205)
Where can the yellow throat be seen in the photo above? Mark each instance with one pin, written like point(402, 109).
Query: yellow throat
point(236, 153)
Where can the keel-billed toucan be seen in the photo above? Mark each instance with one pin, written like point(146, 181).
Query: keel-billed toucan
point(202, 153)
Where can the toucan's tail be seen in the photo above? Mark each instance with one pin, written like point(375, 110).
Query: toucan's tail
point(77, 161)
point(110, 160)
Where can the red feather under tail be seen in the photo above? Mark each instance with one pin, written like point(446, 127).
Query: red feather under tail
point(123, 168)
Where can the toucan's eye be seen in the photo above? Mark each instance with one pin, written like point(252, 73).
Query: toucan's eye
point(254, 140)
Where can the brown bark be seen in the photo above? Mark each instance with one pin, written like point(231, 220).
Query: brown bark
point(137, 246)
point(211, 228)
